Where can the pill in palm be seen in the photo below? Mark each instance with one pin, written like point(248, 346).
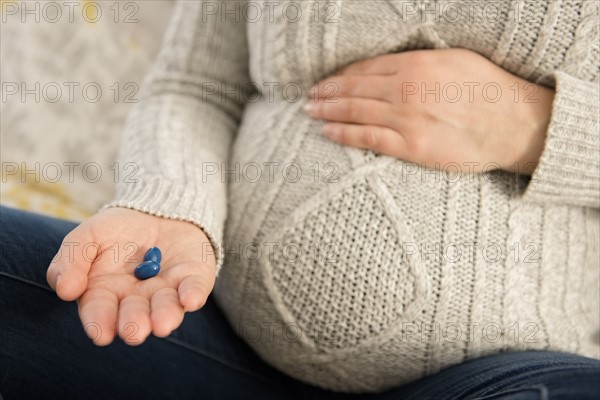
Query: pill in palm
point(153, 254)
point(146, 270)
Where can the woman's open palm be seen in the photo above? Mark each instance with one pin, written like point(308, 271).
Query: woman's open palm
point(95, 266)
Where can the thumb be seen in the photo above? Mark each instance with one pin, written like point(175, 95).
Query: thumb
point(68, 271)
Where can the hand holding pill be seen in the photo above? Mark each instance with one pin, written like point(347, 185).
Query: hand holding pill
point(110, 279)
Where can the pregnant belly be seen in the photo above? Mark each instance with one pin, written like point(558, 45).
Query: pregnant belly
point(333, 254)
point(326, 227)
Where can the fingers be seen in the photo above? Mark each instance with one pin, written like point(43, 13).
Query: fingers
point(193, 292)
point(380, 139)
point(68, 272)
point(167, 312)
point(370, 87)
point(98, 310)
point(134, 319)
point(98, 314)
point(352, 110)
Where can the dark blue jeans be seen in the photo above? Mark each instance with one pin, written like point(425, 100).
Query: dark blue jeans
point(45, 354)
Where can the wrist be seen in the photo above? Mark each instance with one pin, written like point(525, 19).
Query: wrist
point(529, 136)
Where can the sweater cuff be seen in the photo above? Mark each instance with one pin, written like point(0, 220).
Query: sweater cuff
point(568, 172)
point(157, 196)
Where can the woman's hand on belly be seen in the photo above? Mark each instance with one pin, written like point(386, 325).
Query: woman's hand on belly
point(437, 108)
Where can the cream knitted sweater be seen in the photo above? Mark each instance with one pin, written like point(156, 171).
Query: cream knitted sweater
point(358, 272)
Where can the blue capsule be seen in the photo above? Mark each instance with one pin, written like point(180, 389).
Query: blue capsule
point(146, 270)
point(153, 254)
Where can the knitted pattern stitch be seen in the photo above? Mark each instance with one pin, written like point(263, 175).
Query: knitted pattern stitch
point(358, 272)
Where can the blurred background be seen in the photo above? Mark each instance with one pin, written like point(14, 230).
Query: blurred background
point(70, 72)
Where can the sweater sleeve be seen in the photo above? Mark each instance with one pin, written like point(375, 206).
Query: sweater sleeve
point(178, 135)
point(568, 172)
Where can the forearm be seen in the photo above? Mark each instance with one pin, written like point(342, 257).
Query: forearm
point(185, 121)
point(533, 119)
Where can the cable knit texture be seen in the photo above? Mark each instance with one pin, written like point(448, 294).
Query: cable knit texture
point(358, 272)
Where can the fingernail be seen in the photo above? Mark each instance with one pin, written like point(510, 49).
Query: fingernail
point(309, 108)
point(331, 131)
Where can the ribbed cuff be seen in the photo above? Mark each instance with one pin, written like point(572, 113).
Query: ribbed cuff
point(569, 168)
point(158, 196)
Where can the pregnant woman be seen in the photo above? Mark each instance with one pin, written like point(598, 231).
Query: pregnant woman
point(400, 200)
